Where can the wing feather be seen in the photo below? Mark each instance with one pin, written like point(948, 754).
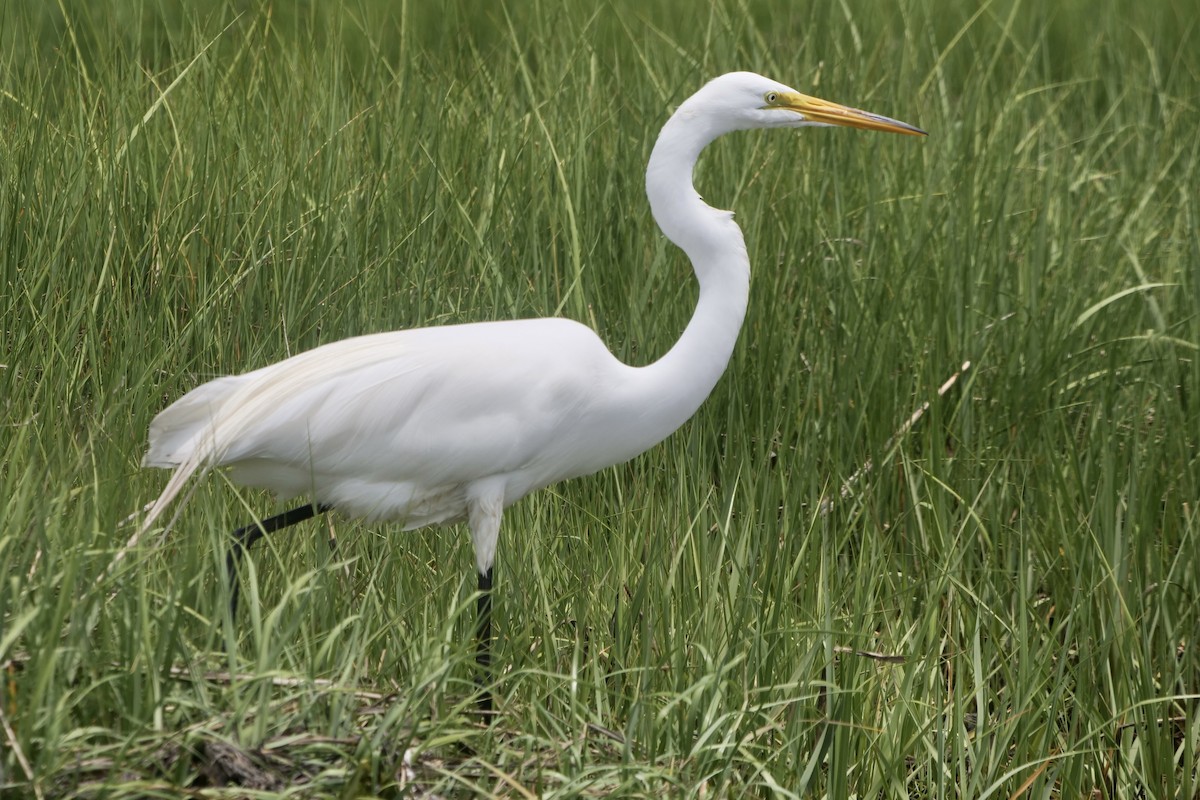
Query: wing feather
point(434, 406)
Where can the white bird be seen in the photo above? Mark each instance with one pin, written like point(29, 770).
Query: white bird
point(433, 426)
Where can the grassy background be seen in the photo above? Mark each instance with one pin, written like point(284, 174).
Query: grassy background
point(1005, 605)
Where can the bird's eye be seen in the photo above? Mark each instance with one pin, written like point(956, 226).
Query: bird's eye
point(771, 97)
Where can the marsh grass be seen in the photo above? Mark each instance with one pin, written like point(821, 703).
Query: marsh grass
point(1004, 604)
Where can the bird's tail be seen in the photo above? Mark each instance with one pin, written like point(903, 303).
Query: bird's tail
point(196, 432)
point(179, 479)
point(192, 434)
point(195, 461)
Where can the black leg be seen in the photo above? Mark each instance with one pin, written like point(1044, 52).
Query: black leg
point(483, 647)
point(246, 536)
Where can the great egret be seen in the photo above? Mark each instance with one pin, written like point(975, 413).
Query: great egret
point(432, 426)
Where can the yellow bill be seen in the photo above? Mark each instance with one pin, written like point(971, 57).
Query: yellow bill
point(817, 110)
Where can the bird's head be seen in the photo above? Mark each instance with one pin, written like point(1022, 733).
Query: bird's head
point(743, 100)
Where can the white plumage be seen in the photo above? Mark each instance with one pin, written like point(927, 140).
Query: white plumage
point(437, 425)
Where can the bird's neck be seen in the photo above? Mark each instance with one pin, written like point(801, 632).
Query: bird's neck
point(680, 381)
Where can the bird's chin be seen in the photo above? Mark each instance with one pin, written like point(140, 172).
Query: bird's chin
point(795, 121)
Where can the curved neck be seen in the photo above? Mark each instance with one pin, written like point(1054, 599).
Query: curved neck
point(678, 383)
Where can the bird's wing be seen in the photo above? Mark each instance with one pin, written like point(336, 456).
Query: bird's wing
point(439, 405)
